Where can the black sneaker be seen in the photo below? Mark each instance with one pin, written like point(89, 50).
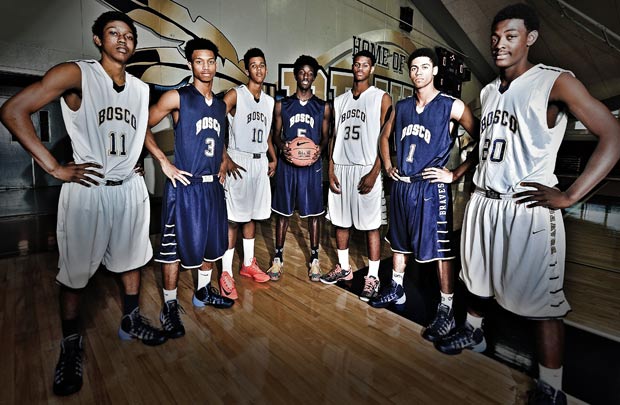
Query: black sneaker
point(170, 317)
point(392, 294)
point(441, 325)
point(135, 326)
point(463, 337)
point(68, 374)
point(208, 295)
point(544, 394)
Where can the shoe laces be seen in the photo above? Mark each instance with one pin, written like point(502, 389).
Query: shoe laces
point(172, 315)
point(441, 323)
point(70, 357)
point(227, 281)
point(370, 284)
point(141, 327)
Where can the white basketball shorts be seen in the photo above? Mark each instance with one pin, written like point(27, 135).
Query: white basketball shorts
point(516, 255)
point(248, 198)
point(102, 224)
point(365, 212)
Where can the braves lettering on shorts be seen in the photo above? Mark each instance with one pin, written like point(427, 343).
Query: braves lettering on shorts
point(443, 199)
point(117, 114)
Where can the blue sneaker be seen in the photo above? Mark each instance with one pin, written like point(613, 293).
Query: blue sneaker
point(461, 338)
point(392, 294)
point(208, 295)
point(544, 394)
point(441, 325)
point(135, 326)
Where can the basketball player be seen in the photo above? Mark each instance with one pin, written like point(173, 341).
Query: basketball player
point(300, 115)
point(421, 199)
point(356, 188)
point(103, 212)
point(194, 225)
point(513, 242)
point(248, 198)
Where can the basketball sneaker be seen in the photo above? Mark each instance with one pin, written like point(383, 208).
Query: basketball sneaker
point(314, 271)
point(227, 286)
point(371, 288)
point(392, 294)
point(170, 318)
point(254, 272)
point(275, 271)
point(441, 325)
point(208, 295)
point(463, 337)
point(336, 275)
point(68, 374)
point(544, 394)
point(135, 326)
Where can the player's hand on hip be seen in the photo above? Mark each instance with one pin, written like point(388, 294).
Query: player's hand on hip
point(334, 184)
point(78, 173)
point(542, 196)
point(175, 174)
point(438, 175)
point(139, 169)
point(392, 172)
point(271, 168)
point(233, 169)
point(367, 182)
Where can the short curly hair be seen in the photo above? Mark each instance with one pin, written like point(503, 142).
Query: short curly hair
point(518, 11)
point(108, 16)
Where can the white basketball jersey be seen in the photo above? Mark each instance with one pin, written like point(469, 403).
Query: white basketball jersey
point(516, 143)
point(110, 126)
point(358, 126)
point(250, 126)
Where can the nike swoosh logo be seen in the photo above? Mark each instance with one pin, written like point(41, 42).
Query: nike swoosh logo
point(428, 199)
point(302, 143)
point(538, 231)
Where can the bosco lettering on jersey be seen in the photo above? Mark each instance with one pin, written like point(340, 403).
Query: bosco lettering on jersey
point(117, 114)
point(257, 116)
point(354, 113)
point(416, 130)
point(208, 123)
point(499, 117)
point(303, 118)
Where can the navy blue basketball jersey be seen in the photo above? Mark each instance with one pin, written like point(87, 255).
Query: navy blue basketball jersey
point(423, 139)
point(199, 133)
point(302, 118)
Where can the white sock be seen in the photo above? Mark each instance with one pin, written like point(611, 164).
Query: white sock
point(373, 268)
point(227, 260)
point(446, 299)
point(398, 277)
point(343, 259)
point(552, 376)
point(248, 251)
point(204, 278)
point(474, 321)
point(170, 295)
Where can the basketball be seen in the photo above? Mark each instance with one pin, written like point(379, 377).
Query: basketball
point(302, 151)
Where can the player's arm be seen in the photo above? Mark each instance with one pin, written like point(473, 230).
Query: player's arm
point(602, 124)
point(327, 118)
point(167, 103)
point(334, 184)
point(271, 155)
point(367, 181)
point(384, 149)
point(15, 115)
point(230, 99)
point(462, 114)
point(277, 131)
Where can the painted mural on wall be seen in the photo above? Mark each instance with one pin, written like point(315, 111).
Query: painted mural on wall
point(165, 67)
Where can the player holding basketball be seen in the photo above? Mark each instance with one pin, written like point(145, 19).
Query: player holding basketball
point(421, 198)
point(356, 188)
point(300, 116)
point(248, 198)
point(105, 110)
point(513, 242)
point(194, 226)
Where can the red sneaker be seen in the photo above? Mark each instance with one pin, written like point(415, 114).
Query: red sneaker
point(254, 272)
point(227, 286)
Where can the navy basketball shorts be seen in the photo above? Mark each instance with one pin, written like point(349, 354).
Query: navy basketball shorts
point(298, 188)
point(421, 220)
point(194, 224)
